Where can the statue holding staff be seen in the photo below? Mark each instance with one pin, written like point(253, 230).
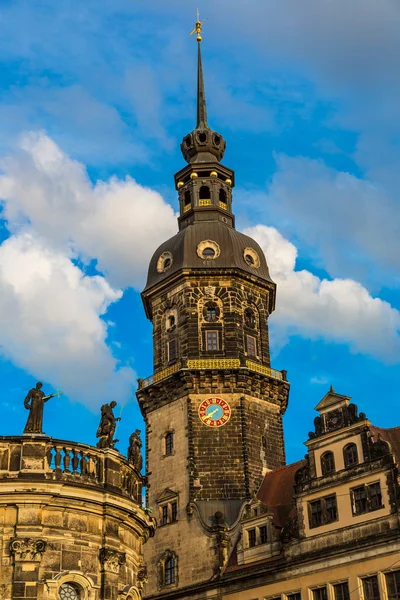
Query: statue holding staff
point(106, 428)
point(34, 402)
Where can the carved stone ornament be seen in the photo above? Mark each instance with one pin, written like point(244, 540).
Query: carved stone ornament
point(209, 290)
point(142, 577)
point(111, 559)
point(27, 548)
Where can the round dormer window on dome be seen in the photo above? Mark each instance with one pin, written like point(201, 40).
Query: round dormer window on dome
point(208, 249)
point(251, 257)
point(164, 262)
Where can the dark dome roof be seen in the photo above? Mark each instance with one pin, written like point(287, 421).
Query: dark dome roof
point(181, 251)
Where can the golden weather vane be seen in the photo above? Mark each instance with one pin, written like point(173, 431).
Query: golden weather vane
point(198, 27)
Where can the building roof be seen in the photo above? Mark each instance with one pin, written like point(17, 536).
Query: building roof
point(277, 491)
point(183, 248)
point(390, 435)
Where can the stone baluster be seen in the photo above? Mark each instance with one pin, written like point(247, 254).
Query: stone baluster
point(58, 457)
point(75, 460)
point(67, 459)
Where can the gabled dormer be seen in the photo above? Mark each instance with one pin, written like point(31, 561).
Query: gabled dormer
point(349, 476)
point(259, 538)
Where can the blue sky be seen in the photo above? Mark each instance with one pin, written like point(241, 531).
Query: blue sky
point(95, 99)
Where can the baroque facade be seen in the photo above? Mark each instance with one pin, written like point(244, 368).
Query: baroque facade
point(234, 521)
point(72, 525)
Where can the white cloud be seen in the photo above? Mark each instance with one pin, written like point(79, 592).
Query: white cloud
point(352, 223)
point(118, 222)
point(340, 310)
point(50, 311)
point(50, 321)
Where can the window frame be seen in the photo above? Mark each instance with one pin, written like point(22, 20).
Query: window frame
point(254, 343)
point(324, 460)
point(368, 502)
point(376, 579)
point(170, 570)
point(319, 588)
point(211, 332)
point(323, 512)
point(346, 453)
point(168, 443)
point(396, 596)
point(252, 537)
point(174, 344)
point(338, 584)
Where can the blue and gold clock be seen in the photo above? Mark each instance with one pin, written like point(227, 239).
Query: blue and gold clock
point(214, 412)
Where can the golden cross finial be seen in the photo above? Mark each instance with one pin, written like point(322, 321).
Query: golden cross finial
point(198, 27)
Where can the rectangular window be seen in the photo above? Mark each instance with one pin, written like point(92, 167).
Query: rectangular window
point(315, 513)
point(164, 517)
point(263, 534)
point(323, 511)
point(366, 498)
point(393, 585)
point(169, 443)
point(374, 496)
point(341, 591)
point(172, 351)
point(174, 511)
point(330, 509)
point(320, 593)
point(360, 504)
point(295, 596)
point(170, 571)
point(371, 588)
point(252, 537)
point(251, 346)
point(212, 341)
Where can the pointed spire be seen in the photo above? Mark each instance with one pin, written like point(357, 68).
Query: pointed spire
point(201, 95)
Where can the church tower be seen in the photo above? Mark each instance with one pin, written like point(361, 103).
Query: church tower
point(213, 407)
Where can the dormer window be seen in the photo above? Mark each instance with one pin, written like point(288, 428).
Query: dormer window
point(350, 455)
point(327, 463)
point(208, 252)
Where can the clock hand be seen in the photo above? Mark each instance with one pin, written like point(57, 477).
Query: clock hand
point(210, 415)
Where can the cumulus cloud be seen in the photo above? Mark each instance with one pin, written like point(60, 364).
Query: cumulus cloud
point(350, 225)
point(50, 310)
point(340, 310)
point(50, 325)
point(118, 222)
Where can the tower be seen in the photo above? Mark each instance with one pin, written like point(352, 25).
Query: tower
point(213, 407)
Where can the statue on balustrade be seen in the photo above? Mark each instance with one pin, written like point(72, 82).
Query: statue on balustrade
point(34, 402)
point(134, 450)
point(107, 426)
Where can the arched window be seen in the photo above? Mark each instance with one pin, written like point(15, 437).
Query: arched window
point(169, 443)
point(170, 321)
point(350, 455)
point(211, 312)
point(70, 591)
point(327, 463)
point(187, 198)
point(169, 571)
point(204, 193)
point(249, 318)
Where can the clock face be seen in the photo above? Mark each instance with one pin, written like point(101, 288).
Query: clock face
point(214, 412)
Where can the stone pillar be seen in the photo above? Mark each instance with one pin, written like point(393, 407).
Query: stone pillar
point(111, 561)
point(27, 553)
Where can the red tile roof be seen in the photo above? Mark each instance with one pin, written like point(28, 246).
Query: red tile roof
point(391, 435)
point(277, 491)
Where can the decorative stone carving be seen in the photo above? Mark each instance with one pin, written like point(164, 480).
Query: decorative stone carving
point(290, 530)
point(222, 540)
point(27, 548)
point(303, 474)
point(142, 577)
point(111, 560)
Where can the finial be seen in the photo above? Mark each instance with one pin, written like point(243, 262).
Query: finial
point(198, 27)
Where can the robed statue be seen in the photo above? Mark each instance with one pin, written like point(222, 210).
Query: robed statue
point(134, 450)
point(107, 426)
point(34, 402)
